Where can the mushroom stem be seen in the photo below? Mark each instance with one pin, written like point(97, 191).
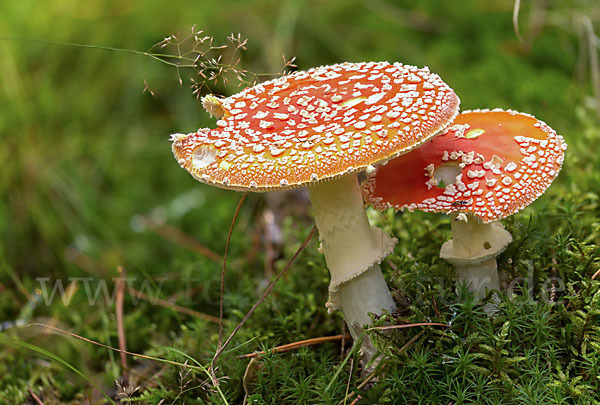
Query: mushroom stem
point(365, 294)
point(479, 277)
point(353, 249)
point(473, 250)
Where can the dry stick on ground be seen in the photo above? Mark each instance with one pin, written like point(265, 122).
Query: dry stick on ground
point(220, 343)
point(35, 397)
point(596, 274)
point(181, 238)
point(141, 356)
point(166, 304)
point(94, 268)
point(267, 291)
point(86, 263)
point(120, 327)
point(349, 377)
point(343, 348)
point(18, 283)
point(435, 308)
point(249, 375)
point(593, 58)
point(296, 345)
point(409, 325)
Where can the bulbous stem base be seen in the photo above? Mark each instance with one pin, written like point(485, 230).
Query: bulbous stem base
point(353, 250)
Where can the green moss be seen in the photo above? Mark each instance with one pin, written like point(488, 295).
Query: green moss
point(85, 156)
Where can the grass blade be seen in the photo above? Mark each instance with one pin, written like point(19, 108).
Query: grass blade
point(18, 343)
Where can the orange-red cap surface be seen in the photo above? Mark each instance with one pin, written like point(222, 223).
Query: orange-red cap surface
point(315, 125)
point(506, 160)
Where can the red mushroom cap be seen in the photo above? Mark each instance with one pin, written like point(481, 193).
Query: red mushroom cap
point(505, 161)
point(316, 125)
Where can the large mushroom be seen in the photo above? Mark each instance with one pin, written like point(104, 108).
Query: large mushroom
point(486, 166)
point(317, 129)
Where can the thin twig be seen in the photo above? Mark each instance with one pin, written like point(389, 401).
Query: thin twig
point(343, 346)
point(177, 236)
point(593, 59)
point(178, 308)
point(596, 274)
point(35, 397)
point(120, 328)
point(410, 342)
point(89, 265)
point(86, 263)
point(349, 379)
point(220, 343)
point(249, 374)
point(362, 384)
point(5, 267)
point(142, 356)
point(267, 291)
point(199, 366)
point(515, 18)
point(295, 345)
point(435, 308)
point(410, 325)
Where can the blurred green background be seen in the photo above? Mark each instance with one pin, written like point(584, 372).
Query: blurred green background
point(88, 179)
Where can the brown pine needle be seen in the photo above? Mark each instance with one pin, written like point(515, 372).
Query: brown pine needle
point(86, 263)
point(141, 356)
point(435, 308)
point(364, 383)
point(4, 266)
point(220, 342)
point(94, 268)
point(298, 344)
point(89, 265)
point(349, 377)
point(267, 291)
point(409, 325)
point(596, 274)
point(177, 236)
point(120, 328)
point(35, 397)
point(177, 308)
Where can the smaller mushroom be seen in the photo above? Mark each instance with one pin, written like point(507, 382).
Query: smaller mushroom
point(486, 166)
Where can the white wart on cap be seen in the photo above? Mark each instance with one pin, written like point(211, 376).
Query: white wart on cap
point(316, 125)
point(501, 162)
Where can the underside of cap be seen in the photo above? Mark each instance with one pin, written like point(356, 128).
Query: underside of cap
point(317, 125)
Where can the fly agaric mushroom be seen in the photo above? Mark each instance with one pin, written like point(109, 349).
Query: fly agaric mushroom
point(486, 166)
point(317, 129)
